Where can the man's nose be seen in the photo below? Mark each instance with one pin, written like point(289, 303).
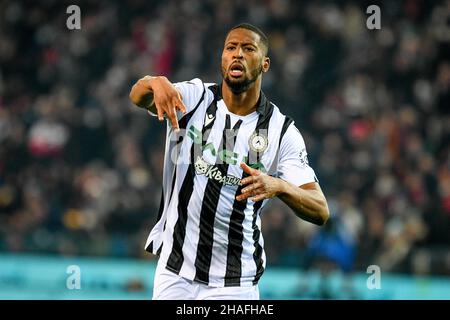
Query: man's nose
point(238, 53)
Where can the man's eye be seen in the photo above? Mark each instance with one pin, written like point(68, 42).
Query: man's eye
point(249, 49)
point(230, 48)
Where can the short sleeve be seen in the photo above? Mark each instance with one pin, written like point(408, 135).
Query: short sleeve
point(191, 92)
point(293, 165)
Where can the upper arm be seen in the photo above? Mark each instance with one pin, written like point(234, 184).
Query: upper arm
point(311, 186)
point(314, 186)
point(293, 165)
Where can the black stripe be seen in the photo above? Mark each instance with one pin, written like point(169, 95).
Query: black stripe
point(235, 238)
point(209, 207)
point(161, 206)
point(150, 247)
point(176, 258)
point(235, 233)
point(287, 122)
point(173, 183)
point(257, 254)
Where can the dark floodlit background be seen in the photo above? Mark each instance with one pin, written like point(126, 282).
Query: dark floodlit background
point(81, 168)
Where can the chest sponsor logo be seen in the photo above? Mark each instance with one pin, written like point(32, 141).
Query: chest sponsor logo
point(211, 171)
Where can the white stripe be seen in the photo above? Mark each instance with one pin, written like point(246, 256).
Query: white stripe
point(248, 264)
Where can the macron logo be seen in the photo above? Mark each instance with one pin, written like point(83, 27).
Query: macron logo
point(208, 119)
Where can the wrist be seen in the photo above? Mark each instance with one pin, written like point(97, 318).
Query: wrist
point(150, 81)
point(281, 187)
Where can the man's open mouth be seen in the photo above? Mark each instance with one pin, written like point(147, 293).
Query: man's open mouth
point(236, 70)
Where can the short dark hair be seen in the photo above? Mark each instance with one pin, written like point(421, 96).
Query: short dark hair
point(262, 36)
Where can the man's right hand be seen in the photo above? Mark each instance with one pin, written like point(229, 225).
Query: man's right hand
point(159, 96)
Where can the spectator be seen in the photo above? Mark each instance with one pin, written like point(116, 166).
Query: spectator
point(78, 163)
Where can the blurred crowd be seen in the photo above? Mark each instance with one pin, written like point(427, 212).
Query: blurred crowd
point(81, 168)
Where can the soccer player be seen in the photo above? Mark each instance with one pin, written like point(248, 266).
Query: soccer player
point(229, 150)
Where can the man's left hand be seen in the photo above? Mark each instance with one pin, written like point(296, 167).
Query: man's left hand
point(259, 186)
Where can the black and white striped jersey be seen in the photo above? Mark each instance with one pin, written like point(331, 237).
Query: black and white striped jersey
point(203, 233)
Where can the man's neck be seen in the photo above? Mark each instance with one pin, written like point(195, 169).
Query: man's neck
point(244, 103)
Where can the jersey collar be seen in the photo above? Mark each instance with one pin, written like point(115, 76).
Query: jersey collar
point(262, 104)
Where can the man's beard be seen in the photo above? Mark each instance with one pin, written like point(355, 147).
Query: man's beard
point(239, 86)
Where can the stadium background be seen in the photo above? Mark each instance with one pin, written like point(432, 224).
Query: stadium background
point(80, 167)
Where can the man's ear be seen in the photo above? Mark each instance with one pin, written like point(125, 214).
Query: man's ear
point(266, 64)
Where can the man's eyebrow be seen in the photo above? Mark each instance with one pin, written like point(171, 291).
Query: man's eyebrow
point(244, 43)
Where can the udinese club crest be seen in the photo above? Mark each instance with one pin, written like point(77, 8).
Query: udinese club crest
point(258, 142)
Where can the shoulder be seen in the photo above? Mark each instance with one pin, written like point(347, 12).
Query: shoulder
point(276, 112)
point(190, 84)
point(285, 123)
point(195, 82)
point(193, 87)
point(290, 135)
